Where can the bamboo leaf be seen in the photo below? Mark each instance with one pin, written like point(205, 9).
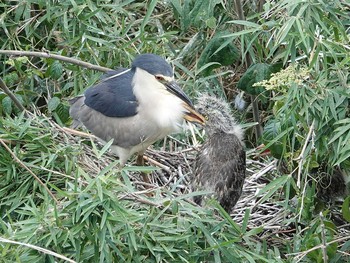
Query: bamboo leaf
point(346, 209)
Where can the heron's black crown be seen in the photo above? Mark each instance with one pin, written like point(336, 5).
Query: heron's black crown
point(153, 64)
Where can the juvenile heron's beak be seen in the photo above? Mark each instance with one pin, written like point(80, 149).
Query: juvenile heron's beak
point(191, 114)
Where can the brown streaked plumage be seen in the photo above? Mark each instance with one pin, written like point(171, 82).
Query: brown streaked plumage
point(220, 163)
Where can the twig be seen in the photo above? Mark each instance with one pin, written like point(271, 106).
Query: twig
point(194, 139)
point(78, 133)
point(344, 253)
point(256, 115)
point(139, 199)
point(162, 166)
point(301, 255)
point(300, 158)
point(43, 55)
point(43, 250)
point(9, 141)
point(30, 171)
point(9, 93)
point(324, 242)
point(53, 172)
point(265, 170)
point(58, 57)
point(302, 200)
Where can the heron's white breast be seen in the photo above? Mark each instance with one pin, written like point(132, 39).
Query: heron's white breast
point(157, 104)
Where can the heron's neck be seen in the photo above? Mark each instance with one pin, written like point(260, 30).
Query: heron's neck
point(156, 103)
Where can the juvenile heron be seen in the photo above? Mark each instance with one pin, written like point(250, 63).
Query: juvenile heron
point(220, 164)
point(134, 107)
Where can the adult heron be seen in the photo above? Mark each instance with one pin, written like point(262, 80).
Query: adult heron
point(135, 107)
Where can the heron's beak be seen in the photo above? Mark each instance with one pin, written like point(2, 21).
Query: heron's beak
point(191, 114)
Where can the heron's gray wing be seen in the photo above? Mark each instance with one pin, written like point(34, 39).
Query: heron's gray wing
point(113, 96)
point(74, 110)
point(118, 129)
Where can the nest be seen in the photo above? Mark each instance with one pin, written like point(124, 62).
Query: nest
point(173, 175)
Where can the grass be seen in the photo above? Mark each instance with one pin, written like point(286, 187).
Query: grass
point(61, 192)
point(97, 216)
point(102, 214)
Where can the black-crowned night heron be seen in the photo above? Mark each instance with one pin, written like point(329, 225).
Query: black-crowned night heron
point(135, 107)
point(220, 163)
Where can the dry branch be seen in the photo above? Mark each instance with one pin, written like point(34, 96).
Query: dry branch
point(40, 249)
point(9, 93)
point(74, 61)
point(54, 56)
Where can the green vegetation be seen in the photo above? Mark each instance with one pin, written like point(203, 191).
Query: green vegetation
point(62, 192)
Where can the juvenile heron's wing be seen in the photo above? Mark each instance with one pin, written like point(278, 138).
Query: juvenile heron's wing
point(220, 167)
point(229, 190)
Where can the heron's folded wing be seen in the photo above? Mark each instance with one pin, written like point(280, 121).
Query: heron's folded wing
point(113, 96)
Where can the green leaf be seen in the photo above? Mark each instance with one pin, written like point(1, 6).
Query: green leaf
point(7, 105)
point(55, 70)
point(255, 73)
point(105, 148)
point(272, 187)
point(285, 30)
point(53, 104)
point(211, 22)
point(274, 137)
point(245, 23)
point(150, 9)
point(254, 231)
point(340, 130)
point(62, 114)
point(346, 209)
point(343, 155)
point(220, 51)
point(11, 78)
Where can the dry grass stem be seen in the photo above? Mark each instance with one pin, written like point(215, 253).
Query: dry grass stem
point(40, 249)
point(30, 171)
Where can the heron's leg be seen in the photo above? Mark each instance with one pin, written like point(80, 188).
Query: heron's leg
point(140, 162)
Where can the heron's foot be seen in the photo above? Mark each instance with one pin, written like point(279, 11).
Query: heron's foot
point(145, 176)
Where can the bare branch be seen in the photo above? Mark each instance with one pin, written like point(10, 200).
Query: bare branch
point(43, 55)
point(57, 57)
point(9, 93)
point(301, 156)
point(324, 241)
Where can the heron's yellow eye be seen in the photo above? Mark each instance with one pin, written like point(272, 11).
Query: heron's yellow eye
point(206, 117)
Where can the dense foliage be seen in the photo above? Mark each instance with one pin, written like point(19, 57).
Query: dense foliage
point(290, 57)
